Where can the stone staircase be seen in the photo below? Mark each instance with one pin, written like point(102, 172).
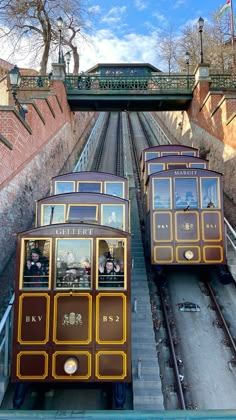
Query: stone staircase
point(147, 393)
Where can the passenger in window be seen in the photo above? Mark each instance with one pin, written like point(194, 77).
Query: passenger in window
point(108, 274)
point(36, 270)
point(75, 277)
point(85, 263)
point(207, 202)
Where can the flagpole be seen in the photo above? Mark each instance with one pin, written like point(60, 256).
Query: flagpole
point(232, 22)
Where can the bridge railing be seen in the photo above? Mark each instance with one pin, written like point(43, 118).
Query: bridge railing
point(222, 81)
point(160, 82)
point(35, 82)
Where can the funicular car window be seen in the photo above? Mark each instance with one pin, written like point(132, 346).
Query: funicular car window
point(115, 188)
point(210, 193)
point(161, 193)
point(151, 155)
point(197, 165)
point(113, 216)
point(169, 153)
point(73, 263)
point(64, 187)
point(186, 193)
point(82, 213)
point(94, 187)
point(188, 153)
point(176, 165)
point(53, 214)
point(155, 167)
point(35, 266)
point(111, 263)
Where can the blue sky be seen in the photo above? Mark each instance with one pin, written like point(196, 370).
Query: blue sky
point(128, 30)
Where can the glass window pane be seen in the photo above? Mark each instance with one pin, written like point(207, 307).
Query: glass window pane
point(113, 216)
point(155, 167)
point(53, 214)
point(89, 187)
point(114, 188)
point(111, 263)
point(197, 165)
point(186, 193)
point(161, 194)
point(189, 153)
point(176, 165)
point(169, 153)
point(82, 213)
point(210, 193)
point(151, 155)
point(73, 263)
point(64, 187)
point(36, 263)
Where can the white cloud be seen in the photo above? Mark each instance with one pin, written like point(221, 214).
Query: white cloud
point(114, 15)
point(140, 4)
point(105, 47)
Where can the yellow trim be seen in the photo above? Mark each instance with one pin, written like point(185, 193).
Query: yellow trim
point(217, 178)
point(197, 226)
point(83, 205)
point(219, 225)
point(34, 295)
point(23, 353)
point(163, 261)
point(210, 247)
point(90, 182)
point(56, 254)
point(153, 190)
point(52, 205)
point(154, 224)
point(90, 308)
point(71, 353)
point(115, 182)
point(124, 311)
point(23, 260)
point(125, 263)
point(186, 247)
point(63, 182)
point(101, 353)
point(123, 214)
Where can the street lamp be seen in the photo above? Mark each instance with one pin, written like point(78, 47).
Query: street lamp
point(15, 79)
point(200, 28)
point(60, 26)
point(68, 57)
point(187, 56)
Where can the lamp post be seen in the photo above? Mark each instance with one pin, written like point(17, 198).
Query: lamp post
point(187, 56)
point(68, 57)
point(200, 28)
point(60, 26)
point(15, 79)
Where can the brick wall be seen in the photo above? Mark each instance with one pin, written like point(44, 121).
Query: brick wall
point(32, 152)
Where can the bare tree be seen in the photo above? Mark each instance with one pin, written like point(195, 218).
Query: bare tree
point(36, 21)
point(168, 47)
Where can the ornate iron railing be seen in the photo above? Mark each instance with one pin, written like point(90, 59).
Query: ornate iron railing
point(223, 81)
point(35, 82)
point(160, 82)
point(138, 83)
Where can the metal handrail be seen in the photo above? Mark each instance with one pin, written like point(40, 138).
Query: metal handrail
point(232, 232)
point(5, 338)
